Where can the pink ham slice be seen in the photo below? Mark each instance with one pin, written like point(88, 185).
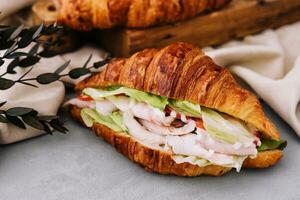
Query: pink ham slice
point(81, 104)
point(169, 130)
point(140, 133)
point(208, 142)
point(186, 145)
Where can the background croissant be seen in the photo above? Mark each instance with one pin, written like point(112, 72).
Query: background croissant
point(181, 71)
point(88, 14)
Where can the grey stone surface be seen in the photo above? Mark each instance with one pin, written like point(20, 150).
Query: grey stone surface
point(81, 166)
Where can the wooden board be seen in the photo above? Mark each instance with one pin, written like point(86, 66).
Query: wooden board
point(238, 19)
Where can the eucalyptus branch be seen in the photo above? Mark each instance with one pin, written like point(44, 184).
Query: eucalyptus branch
point(12, 40)
point(19, 116)
point(47, 78)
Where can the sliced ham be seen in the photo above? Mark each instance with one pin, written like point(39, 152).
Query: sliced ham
point(80, 104)
point(202, 138)
point(141, 110)
point(186, 145)
point(121, 102)
point(169, 130)
point(140, 133)
point(105, 107)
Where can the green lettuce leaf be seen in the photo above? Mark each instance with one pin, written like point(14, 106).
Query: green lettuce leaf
point(222, 129)
point(117, 117)
point(154, 100)
point(201, 162)
point(114, 121)
point(272, 144)
point(86, 115)
point(186, 107)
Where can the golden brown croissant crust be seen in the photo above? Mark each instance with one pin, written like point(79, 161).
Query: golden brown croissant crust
point(183, 71)
point(162, 162)
point(88, 14)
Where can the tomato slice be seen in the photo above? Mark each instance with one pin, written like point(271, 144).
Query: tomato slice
point(84, 97)
point(199, 123)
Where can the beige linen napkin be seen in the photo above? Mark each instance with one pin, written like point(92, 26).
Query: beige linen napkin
point(270, 64)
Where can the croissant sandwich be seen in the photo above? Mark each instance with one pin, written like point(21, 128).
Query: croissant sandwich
point(88, 14)
point(174, 111)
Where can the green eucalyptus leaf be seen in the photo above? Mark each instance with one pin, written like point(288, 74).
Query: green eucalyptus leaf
point(46, 128)
point(16, 55)
point(5, 44)
point(16, 32)
point(16, 121)
point(26, 39)
point(29, 61)
point(3, 119)
point(18, 111)
point(6, 83)
point(33, 113)
point(56, 125)
point(47, 78)
point(99, 64)
point(78, 72)
point(12, 65)
point(6, 32)
point(32, 121)
point(10, 49)
point(37, 31)
point(272, 144)
point(2, 103)
point(62, 67)
point(1, 62)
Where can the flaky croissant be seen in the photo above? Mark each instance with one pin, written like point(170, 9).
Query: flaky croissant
point(181, 71)
point(88, 14)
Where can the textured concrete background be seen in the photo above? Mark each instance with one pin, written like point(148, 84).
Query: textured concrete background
point(81, 166)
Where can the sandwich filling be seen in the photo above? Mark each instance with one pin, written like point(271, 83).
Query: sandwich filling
point(190, 132)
